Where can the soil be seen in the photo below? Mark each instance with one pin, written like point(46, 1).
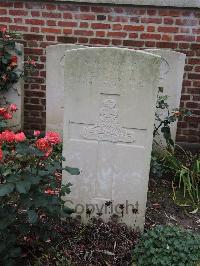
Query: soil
point(162, 210)
point(112, 243)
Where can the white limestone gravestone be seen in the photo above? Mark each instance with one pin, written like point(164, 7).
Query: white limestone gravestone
point(55, 85)
point(16, 95)
point(110, 100)
point(171, 79)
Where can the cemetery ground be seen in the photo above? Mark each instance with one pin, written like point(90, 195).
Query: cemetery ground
point(109, 243)
point(161, 208)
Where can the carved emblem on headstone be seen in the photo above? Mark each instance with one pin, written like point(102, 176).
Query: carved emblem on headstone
point(108, 127)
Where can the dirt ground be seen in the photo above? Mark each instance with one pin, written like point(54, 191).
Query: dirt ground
point(112, 243)
point(161, 208)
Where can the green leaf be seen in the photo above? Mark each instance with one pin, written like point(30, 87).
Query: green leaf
point(24, 228)
point(13, 77)
point(32, 216)
point(3, 124)
point(36, 152)
point(6, 189)
point(72, 171)
point(40, 201)
point(23, 186)
point(25, 149)
point(4, 60)
point(10, 45)
point(4, 223)
point(18, 52)
point(34, 179)
point(57, 165)
point(2, 247)
point(68, 210)
point(12, 178)
point(50, 169)
point(66, 189)
point(22, 148)
point(42, 173)
point(15, 252)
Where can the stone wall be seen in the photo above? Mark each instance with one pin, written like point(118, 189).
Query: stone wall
point(46, 23)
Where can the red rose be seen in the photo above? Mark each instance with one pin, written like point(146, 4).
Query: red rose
point(2, 111)
point(177, 113)
point(53, 137)
point(7, 116)
point(3, 29)
point(43, 144)
point(51, 192)
point(19, 137)
point(48, 152)
point(13, 107)
point(31, 62)
point(14, 59)
point(8, 136)
point(36, 133)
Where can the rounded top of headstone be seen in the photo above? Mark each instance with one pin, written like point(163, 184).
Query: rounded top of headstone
point(114, 50)
point(166, 52)
point(63, 46)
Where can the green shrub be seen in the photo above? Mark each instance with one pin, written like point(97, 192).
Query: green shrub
point(157, 167)
point(30, 192)
point(30, 187)
point(167, 246)
point(163, 122)
point(184, 169)
point(9, 71)
point(186, 181)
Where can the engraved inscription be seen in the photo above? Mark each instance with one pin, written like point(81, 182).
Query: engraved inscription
point(107, 127)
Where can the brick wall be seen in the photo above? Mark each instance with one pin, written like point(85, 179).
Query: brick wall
point(44, 24)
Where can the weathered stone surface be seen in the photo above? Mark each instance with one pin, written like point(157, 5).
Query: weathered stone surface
point(171, 79)
point(55, 85)
point(16, 95)
point(110, 100)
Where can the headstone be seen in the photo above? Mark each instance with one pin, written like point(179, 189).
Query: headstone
point(55, 85)
point(171, 78)
point(16, 95)
point(110, 100)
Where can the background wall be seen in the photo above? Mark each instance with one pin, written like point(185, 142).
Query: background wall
point(44, 24)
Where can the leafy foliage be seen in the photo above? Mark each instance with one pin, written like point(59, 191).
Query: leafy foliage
point(184, 169)
point(157, 167)
point(29, 196)
point(163, 122)
point(162, 127)
point(186, 175)
point(30, 186)
point(9, 74)
point(167, 245)
point(9, 71)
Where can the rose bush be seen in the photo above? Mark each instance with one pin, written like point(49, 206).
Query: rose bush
point(9, 71)
point(30, 190)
